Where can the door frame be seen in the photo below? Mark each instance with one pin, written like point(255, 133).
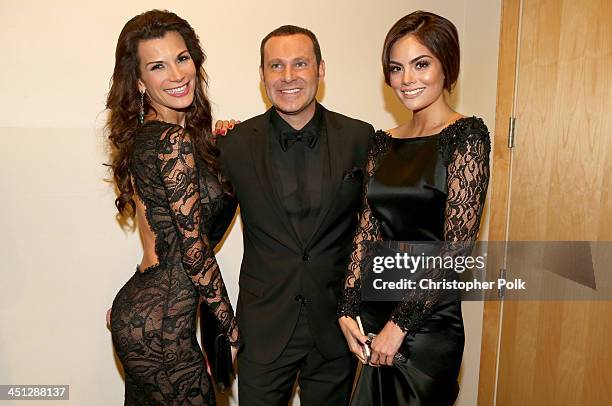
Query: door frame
point(499, 195)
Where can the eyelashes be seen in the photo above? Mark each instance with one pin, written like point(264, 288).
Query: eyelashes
point(422, 64)
point(418, 65)
point(180, 59)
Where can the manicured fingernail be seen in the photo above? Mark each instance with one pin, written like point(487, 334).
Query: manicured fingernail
point(231, 126)
point(223, 132)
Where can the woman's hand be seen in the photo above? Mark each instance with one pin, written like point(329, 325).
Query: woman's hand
point(234, 354)
point(353, 337)
point(386, 344)
point(222, 126)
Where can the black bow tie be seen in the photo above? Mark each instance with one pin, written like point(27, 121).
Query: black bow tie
point(289, 138)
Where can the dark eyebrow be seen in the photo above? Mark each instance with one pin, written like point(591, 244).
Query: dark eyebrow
point(156, 62)
point(412, 61)
point(419, 57)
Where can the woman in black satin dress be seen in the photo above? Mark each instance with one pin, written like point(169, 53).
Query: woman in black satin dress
point(427, 182)
point(164, 167)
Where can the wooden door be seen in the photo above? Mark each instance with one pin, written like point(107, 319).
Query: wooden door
point(555, 184)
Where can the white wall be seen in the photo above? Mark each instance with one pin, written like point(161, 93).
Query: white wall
point(63, 256)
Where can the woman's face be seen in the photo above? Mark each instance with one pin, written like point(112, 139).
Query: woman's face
point(167, 72)
point(416, 74)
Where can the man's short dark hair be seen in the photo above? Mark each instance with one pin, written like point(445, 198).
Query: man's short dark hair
point(287, 30)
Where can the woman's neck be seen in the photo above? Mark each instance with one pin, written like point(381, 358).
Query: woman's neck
point(168, 115)
point(428, 121)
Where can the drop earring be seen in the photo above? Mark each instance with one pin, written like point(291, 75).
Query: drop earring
point(141, 112)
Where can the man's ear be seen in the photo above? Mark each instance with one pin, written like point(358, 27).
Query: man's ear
point(321, 69)
point(261, 75)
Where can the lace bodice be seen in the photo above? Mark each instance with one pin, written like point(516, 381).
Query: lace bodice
point(187, 209)
point(420, 189)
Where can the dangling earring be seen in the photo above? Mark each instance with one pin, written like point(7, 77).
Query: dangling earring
point(141, 113)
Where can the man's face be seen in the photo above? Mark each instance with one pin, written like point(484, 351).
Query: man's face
point(290, 74)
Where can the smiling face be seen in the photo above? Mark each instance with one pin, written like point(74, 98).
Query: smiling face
point(168, 74)
point(416, 75)
point(291, 76)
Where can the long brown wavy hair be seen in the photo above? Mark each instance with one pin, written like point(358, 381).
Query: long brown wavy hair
point(123, 101)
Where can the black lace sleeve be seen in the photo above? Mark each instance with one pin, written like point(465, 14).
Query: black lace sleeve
point(368, 229)
point(465, 147)
point(217, 195)
point(178, 171)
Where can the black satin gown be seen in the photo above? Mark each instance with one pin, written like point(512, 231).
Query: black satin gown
point(420, 189)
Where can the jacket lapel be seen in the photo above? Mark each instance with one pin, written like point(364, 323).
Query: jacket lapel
point(260, 154)
point(338, 151)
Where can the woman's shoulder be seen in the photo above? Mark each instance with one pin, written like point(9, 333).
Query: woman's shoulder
point(160, 135)
point(464, 132)
point(466, 126)
point(382, 135)
point(380, 142)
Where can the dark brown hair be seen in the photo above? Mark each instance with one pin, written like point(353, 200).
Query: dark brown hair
point(437, 33)
point(123, 100)
point(287, 30)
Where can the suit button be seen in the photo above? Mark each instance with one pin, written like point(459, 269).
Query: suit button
point(306, 257)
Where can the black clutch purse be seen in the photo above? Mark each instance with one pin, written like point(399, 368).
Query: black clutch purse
point(217, 349)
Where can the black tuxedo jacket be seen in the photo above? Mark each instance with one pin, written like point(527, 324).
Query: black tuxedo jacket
point(277, 269)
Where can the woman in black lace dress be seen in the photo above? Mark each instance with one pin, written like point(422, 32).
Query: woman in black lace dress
point(427, 182)
point(165, 170)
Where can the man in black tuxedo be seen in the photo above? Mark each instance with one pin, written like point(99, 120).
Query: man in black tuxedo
point(298, 172)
